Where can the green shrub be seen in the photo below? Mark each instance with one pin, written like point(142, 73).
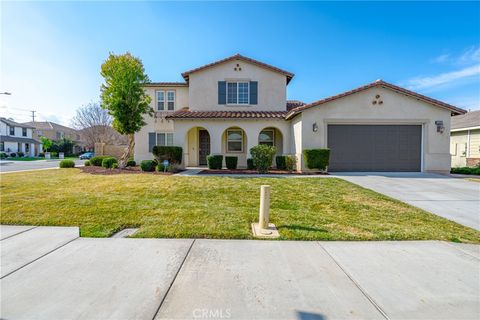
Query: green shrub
point(41, 155)
point(131, 163)
point(148, 165)
point(53, 154)
point(316, 158)
point(115, 165)
point(67, 164)
point(171, 153)
point(466, 170)
point(20, 154)
point(231, 162)
point(262, 156)
point(13, 155)
point(250, 165)
point(290, 162)
point(215, 161)
point(97, 160)
point(87, 163)
point(281, 162)
point(161, 168)
point(3, 155)
point(108, 162)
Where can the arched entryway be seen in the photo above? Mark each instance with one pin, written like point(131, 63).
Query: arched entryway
point(198, 142)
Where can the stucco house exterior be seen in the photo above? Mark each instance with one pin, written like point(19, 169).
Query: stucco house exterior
point(16, 137)
point(465, 140)
point(229, 106)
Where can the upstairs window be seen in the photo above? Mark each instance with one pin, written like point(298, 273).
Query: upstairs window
point(171, 100)
point(160, 100)
point(165, 100)
point(238, 92)
point(12, 131)
point(24, 132)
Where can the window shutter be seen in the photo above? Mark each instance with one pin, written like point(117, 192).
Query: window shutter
point(222, 92)
point(253, 92)
point(151, 141)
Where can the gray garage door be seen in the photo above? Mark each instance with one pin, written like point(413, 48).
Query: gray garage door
point(375, 147)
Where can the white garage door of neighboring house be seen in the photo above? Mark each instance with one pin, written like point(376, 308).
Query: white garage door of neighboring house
point(382, 148)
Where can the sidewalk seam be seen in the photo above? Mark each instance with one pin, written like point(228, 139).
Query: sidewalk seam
point(16, 234)
point(461, 250)
point(363, 291)
point(47, 253)
point(173, 280)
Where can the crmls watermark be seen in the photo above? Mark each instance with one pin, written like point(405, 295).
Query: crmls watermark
point(212, 313)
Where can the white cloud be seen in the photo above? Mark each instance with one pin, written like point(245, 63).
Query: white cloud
point(442, 58)
point(444, 78)
point(471, 55)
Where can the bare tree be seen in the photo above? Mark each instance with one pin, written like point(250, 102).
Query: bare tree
point(95, 125)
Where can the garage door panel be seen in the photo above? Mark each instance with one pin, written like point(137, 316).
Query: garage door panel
point(375, 147)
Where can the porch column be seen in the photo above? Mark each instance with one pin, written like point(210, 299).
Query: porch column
point(252, 140)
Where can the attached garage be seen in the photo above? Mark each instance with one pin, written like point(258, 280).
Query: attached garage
point(375, 148)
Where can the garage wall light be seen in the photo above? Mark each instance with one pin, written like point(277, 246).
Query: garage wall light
point(315, 127)
point(440, 126)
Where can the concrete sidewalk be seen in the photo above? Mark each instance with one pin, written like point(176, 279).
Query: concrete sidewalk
point(88, 278)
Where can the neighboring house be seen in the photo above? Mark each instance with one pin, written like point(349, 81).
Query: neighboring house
point(229, 106)
point(16, 137)
point(56, 132)
point(465, 140)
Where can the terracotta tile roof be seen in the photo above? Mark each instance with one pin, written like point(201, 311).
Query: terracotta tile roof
point(166, 84)
point(379, 83)
point(291, 104)
point(467, 120)
point(186, 114)
point(289, 75)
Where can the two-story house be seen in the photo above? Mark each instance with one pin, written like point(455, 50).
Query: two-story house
point(55, 132)
point(229, 106)
point(16, 137)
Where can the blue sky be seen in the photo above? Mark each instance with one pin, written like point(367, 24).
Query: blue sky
point(51, 52)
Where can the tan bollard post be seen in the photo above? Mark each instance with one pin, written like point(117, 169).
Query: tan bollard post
point(264, 218)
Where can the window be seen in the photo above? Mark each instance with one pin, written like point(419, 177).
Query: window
point(171, 100)
point(267, 137)
point(160, 100)
point(164, 139)
point(2, 146)
point(27, 148)
point(60, 135)
point(40, 133)
point(237, 93)
point(24, 132)
point(234, 140)
point(12, 131)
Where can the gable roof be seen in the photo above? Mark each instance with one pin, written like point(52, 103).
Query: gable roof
point(379, 83)
point(48, 125)
point(12, 123)
point(467, 120)
point(238, 56)
point(166, 84)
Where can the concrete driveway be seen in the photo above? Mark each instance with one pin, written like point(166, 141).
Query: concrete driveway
point(54, 274)
point(452, 198)
point(14, 166)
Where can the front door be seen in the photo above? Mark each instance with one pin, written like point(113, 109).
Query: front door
point(204, 147)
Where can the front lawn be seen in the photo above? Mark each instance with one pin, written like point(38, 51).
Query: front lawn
point(215, 207)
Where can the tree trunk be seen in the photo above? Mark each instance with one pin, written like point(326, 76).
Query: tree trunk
point(126, 155)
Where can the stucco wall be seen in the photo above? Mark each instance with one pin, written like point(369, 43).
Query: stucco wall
point(396, 109)
point(203, 91)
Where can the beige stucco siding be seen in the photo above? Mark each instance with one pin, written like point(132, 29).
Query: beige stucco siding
point(204, 87)
point(395, 109)
point(464, 145)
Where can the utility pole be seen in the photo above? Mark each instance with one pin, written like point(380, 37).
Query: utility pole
point(33, 115)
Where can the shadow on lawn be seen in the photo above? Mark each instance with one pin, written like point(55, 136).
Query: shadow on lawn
point(297, 227)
